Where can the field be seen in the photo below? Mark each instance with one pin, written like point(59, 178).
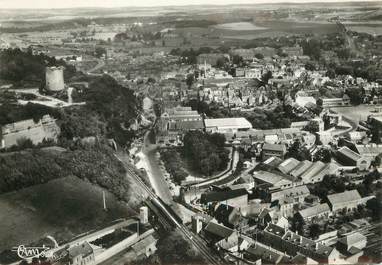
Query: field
point(62, 208)
point(356, 113)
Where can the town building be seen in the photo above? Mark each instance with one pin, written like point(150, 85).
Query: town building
point(224, 125)
point(352, 244)
point(234, 198)
point(269, 181)
point(348, 157)
point(293, 244)
point(347, 201)
point(82, 254)
point(303, 101)
point(336, 102)
point(276, 150)
point(297, 194)
point(317, 211)
point(145, 247)
point(369, 151)
point(265, 254)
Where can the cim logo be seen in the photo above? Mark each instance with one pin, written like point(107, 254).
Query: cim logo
point(31, 252)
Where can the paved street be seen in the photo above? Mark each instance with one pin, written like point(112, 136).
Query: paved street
point(154, 172)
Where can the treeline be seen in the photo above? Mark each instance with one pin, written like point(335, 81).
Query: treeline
point(202, 23)
point(174, 164)
point(96, 164)
point(205, 151)
point(20, 66)
point(189, 56)
point(10, 113)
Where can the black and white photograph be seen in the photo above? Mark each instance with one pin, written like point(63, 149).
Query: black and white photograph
point(190, 132)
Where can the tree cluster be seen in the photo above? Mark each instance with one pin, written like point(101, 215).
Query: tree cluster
point(298, 151)
point(174, 165)
point(20, 66)
point(175, 249)
point(115, 105)
point(10, 113)
point(205, 151)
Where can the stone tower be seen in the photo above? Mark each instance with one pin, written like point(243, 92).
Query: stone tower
point(54, 77)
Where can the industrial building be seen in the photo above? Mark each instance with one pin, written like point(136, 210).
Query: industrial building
point(224, 125)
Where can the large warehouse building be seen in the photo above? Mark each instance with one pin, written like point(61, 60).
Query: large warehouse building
point(226, 125)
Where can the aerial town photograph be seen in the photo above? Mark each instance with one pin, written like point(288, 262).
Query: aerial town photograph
point(190, 132)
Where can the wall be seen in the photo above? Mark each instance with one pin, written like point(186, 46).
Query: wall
point(46, 128)
point(124, 244)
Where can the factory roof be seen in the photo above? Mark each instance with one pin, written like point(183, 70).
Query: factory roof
point(228, 122)
point(186, 125)
point(300, 168)
point(288, 165)
point(273, 161)
point(349, 153)
point(271, 178)
point(313, 170)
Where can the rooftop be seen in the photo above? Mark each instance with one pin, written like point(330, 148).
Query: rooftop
point(269, 177)
point(349, 153)
point(299, 190)
point(218, 230)
point(315, 210)
point(344, 197)
point(274, 147)
point(217, 196)
point(186, 125)
point(228, 122)
point(288, 165)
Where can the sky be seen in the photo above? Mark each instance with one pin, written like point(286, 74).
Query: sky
point(120, 3)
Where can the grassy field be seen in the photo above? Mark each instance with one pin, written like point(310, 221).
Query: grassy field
point(356, 113)
point(62, 208)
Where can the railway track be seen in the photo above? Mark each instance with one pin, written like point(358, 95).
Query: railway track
point(167, 219)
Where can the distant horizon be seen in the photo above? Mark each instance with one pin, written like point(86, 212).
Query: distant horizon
point(68, 4)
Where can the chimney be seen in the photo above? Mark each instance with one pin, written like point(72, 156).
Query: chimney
point(300, 239)
point(316, 245)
